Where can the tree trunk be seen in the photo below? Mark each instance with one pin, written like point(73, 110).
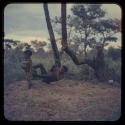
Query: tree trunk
point(52, 37)
point(64, 40)
point(85, 47)
point(100, 67)
point(64, 28)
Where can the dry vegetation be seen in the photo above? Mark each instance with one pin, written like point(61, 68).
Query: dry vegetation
point(65, 100)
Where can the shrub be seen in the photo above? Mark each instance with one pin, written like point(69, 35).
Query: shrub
point(12, 69)
point(114, 69)
point(87, 73)
point(114, 53)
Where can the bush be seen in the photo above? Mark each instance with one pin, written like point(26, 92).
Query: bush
point(12, 69)
point(87, 73)
point(12, 72)
point(114, 53)
point(114, 69)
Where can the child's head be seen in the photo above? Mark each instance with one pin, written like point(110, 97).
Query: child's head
point(27, 53)
point(65, 68)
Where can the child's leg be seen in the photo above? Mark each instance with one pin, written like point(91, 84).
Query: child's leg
point(28, 78)
point(42, 68)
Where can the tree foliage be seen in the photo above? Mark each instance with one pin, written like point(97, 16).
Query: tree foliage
point(88, 24)
point(38, 44)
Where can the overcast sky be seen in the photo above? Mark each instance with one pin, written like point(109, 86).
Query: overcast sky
point(26, 22)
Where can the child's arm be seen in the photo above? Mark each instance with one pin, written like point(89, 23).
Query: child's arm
point(59, 74)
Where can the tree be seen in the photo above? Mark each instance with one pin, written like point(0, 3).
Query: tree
point(10, 43)
point(79, 25)
point(51, 34)
point(84, 17)
point(106, 29)
point(64, 39)
point(22, 45)
point(98, 63)
point(91, 23)
point(38, 44)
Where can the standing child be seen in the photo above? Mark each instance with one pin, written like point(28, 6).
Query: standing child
point(27, 65)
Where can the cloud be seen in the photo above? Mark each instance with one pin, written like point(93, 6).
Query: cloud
point(113, 10)
point(19, 17)
point(26, 38)
point(27, 21)
point(36, 33)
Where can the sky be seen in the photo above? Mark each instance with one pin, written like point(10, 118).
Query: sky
point(26, 22)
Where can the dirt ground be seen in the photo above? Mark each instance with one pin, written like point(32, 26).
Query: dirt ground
point(65, 100)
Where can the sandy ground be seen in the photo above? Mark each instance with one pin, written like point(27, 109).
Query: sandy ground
point(65, 100)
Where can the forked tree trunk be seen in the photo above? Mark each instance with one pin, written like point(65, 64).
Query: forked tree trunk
point(64, 35)
point(64, 40)
point(98, 64)
point(51, 34)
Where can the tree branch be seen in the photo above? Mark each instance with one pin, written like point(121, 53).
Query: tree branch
point(75, 59)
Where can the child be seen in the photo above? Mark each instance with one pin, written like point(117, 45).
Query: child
point(55, 74)
point(27, 65)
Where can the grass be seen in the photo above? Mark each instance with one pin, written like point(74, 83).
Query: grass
point(65, 100)
point(13, 71)
point(70, 99)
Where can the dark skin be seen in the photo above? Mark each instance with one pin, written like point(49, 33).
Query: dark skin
point(27, 66)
